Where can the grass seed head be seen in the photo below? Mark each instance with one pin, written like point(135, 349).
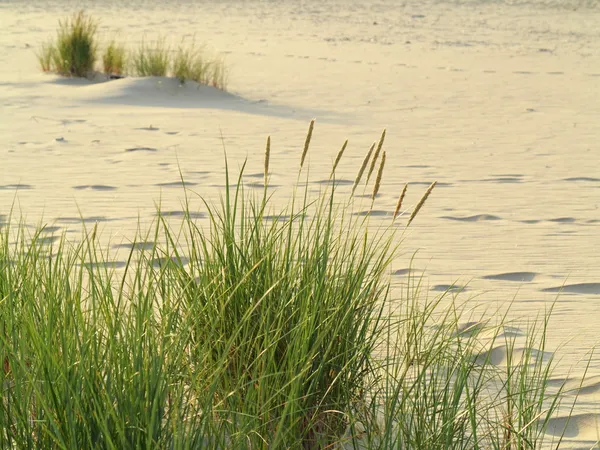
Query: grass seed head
point(363, 167)
point(267, 158)
point(307, 142)
point(379, 146)
point(339, 157)
point(379, 176)
point(400, 200)
point(421, 203)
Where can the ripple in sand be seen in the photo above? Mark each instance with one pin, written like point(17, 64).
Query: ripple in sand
point(141, 149)
point(448, 288)
point(180, 213)
point(47, 240)
point(374, 213)
point(7, 187)
point(409, 271)
point(141, 245)
point(339, 182)
point(76, 220)
point(579, 288)
point(47, 229)
point(513, 276)
point(254, 175)
point(105, 265)
point(563, 220)
point(588, 179)
point(498, 356)
point(95, 187)
point(577, 426)
point(475, 218)
point(503, 180)
point(176, 184)
point(161, 262)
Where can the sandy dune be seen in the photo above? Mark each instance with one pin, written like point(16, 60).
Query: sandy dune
point(497, 101)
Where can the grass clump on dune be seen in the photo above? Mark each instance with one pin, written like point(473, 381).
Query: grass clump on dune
point(47, 56)
point(192, 63)
point(151, 60)
point(114, 59)
point(74, 53)
point(256, 329)
point(76, 50)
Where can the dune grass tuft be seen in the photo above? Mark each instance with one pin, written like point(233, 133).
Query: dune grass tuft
point(193, 63)
point(76, 47)
point(46, 56)
point(152, 60)
point(114, 59)
point(252, 330)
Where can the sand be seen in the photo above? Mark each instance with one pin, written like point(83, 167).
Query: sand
point(497, 101)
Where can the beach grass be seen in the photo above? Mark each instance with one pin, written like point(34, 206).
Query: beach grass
point(74, 53)
point(46, 56)
point(76, 45)
point(114, 59)
point(193, 63)
point(257, 328)
point(152, 60)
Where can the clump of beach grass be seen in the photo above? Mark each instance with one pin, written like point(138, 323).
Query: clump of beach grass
point(75, 49)
point(114, 59)
point(250, 330)
point(46, 56)
point(195, 64)
point(151, 60)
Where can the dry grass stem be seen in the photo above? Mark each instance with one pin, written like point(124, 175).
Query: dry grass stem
point(307, 142)
point(379, 176)
point(339, 157)
point(363, 167)
point(421, 203)
point(267, 158)
point(379, 146)
point(400, 200)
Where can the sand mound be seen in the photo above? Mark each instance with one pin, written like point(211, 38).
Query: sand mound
point(581, 427)
point(157, 92)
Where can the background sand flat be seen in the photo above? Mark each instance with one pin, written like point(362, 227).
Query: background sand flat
point(498, 101)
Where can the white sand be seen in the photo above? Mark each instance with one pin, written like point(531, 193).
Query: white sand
point(500, 103)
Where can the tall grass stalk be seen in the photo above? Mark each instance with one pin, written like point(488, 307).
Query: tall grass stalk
point(249, 331)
